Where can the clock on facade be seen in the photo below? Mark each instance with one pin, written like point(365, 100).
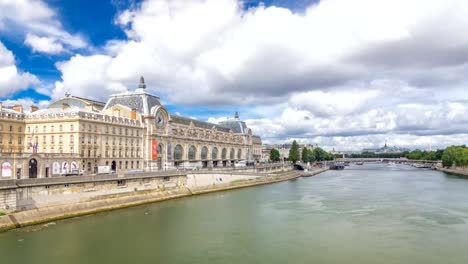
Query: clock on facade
point(160, 120)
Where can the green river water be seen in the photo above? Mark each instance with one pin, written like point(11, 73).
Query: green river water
point(365, 214)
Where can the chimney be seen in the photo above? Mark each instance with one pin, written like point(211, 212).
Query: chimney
point(33, 108)
point(65, 106)
point(133, 114)
point(18, 108)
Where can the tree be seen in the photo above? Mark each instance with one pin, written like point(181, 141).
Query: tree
point(274, 155)
point(320, 154)
point(415, 155)
point(305, 155)
point(294, 152)
point(310, 155)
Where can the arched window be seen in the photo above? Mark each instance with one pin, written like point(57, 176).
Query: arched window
point(239, 154)
point(224, 153)
point(204, 153)
point(192, 153)
point(214, 153)
point(232, 154)
point(178, 151)
point(160, 148)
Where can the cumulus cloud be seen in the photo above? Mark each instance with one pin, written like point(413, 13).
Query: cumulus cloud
point(26, 103)
point(43, 44)
point(44, 32)
point(11, 79)
point(339, 68)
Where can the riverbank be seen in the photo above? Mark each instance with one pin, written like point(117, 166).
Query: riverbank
point(459, 172)
point(52, 213)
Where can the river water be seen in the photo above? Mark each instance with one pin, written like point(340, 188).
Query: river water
point(365, 214)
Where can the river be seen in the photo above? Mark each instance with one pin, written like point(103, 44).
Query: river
point(373, 213)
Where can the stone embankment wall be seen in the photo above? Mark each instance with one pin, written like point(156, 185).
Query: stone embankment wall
point(26, 194)
point(135, 192)
point(462, 171)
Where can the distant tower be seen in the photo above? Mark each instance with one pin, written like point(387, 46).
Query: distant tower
point(236, 115)
point(385, 144)
point(142, 84)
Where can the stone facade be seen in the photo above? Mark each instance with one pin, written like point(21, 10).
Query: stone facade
point(131, 132)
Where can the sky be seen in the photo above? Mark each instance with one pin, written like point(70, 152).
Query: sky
point(343, 74)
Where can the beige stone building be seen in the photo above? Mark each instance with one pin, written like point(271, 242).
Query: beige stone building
point(131, 132)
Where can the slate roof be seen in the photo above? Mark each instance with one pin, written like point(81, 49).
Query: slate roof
point(235, 125)
point(139, 99)
point(197, 123)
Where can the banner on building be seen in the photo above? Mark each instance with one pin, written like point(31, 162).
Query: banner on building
point(55, 168)
point(65, 167)
point(6, 169)
point(154, 150)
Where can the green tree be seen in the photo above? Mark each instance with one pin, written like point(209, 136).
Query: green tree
point(294, 152)
point(415, 155)
point(320, 154)
point(274, 155)
point(305, 155)
point(310, 155)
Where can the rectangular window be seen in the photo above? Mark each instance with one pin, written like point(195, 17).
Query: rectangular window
point(20, 140)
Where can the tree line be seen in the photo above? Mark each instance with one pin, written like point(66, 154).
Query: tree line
point(412, 155)
point(307, 155)
point(451, 156)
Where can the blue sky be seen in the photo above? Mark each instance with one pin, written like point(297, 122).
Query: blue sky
point(94, 20)
point(342, 74)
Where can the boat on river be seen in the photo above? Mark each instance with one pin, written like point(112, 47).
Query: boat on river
point(337, 166)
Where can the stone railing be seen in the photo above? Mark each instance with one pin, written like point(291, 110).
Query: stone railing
point(4, 184)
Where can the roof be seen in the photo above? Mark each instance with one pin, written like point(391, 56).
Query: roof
point(197, 123)
point(139, 99)
point(74, 101)
point(90, 101)
point(237, 126)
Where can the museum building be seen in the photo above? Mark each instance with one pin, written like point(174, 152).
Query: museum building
point(132, 132)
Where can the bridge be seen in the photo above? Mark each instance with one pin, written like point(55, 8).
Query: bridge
point(416, 163)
